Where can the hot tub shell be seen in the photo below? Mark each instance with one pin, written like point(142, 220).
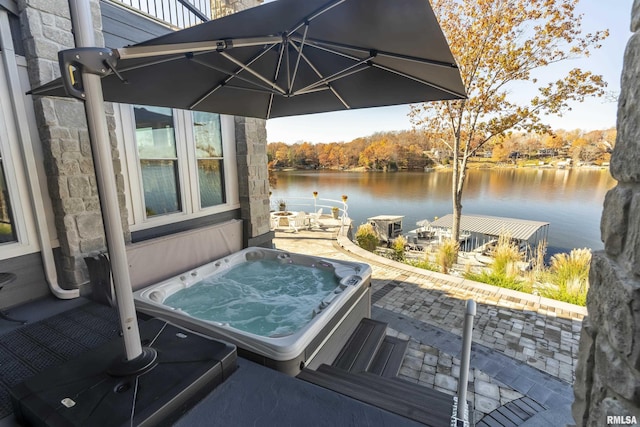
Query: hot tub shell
point(319, 341)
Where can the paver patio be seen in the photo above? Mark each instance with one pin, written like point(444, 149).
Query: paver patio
point(524, 346)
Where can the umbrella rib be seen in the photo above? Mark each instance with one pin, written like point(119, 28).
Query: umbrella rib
point(325, 45)
point(340, 74)
point(329, 85)
point(275, 76)
point(251, 89)
point(229, 78)
point(319, 45)
point(234, 74)
point(295, 69)
point(252, 72)
point(327, 7)
point(424, 82)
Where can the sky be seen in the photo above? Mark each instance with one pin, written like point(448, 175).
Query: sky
point(592, 114)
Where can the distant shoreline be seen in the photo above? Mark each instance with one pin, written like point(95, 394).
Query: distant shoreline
point(445, 168)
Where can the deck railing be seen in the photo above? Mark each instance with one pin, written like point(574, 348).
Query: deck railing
point(177, 13)
point(312, 204)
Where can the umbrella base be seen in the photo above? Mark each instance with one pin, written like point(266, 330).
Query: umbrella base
point(83, 392)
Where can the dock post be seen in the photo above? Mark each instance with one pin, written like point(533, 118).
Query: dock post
point(467, 333)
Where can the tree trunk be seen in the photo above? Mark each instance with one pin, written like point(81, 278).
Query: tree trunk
point(459, 175)
point(456, 197)
point(457, 180)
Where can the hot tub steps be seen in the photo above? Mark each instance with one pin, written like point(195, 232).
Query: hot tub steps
point(358, 353)
point(426, 406)
point(388, 359)
point(369, 349)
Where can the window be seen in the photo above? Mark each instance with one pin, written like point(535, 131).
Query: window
point(156, 143)
point(179, 164)
point(7, 224)
point(208, 139)
point(19, 168)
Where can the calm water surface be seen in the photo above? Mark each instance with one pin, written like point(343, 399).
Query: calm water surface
point(570, 199)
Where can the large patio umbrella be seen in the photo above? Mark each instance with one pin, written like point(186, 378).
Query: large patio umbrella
point(287, 57)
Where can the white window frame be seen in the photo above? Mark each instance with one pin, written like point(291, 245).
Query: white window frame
point(15, 174)
point(187, 169)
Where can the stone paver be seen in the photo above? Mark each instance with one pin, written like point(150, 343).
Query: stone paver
point(523, 345)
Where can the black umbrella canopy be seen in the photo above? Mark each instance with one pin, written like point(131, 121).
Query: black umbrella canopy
point(291, 57)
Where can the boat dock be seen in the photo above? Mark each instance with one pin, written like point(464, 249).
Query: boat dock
point(478, 233)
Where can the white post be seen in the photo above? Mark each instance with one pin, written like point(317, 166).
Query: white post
point(467, 332)
point(105, 177)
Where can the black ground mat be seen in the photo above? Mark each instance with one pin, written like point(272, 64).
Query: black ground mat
point(33, 348)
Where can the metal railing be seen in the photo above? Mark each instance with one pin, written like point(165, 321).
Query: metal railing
point(461, 416)
point(177, 13)
point(312, 204)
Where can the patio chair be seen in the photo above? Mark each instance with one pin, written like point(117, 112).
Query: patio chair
point(314, 219)
point(275, 222)
point(298, 221)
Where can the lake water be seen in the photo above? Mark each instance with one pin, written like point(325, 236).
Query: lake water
point(570, 200)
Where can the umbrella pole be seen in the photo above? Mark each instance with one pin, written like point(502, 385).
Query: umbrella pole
point(105, 177)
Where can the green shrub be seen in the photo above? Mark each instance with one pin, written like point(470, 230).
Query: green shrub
point(424, 264)
point(500, 280)
point(569, 274)
point(506, 257)
point(398, 248)
point(447, 255)
point(367, 238)
point(538, 268)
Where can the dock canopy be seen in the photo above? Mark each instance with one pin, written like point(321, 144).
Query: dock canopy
point(519, 229)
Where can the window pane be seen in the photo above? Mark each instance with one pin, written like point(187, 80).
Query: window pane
point(208, 139)
point(155, 139)
point(206, 129)
point(211, 178)
point(159, 181)
point(7, 225)
point(154, 133)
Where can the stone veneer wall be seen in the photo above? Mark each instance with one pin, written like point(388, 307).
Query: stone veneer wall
point(253, 180)
point(608, 370)
point(46, 29)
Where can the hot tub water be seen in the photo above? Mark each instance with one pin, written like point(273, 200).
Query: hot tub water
point(264, 297)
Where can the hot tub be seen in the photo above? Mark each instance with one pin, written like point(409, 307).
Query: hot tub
point(280, 309)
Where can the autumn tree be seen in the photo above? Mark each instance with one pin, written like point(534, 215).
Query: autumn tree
point(498, 45)
point(552, 142)
point(500, 152)
point(278, 153)
point(378, 155)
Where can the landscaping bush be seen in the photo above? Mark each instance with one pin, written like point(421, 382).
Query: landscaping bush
point(367, 238)
point(501, 280)
point(506, 257)
point(425, 264)
point(398, 248)
point(569, 275)
point(504, 269)
point(447, 255)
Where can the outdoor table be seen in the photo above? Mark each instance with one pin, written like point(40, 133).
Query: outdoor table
point(277, 218)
